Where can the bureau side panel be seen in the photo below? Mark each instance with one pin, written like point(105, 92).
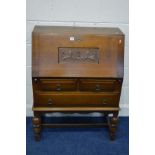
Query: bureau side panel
point(35, 55)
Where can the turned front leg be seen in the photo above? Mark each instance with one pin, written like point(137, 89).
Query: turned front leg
point(113, 126)
point(37, 127)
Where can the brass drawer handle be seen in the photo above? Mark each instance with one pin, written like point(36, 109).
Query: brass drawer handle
point(50, 101)
point(104, 101)
point(98, 88)
point(58, 87)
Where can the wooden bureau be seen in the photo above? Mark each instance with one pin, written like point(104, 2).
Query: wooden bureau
point(77, 69)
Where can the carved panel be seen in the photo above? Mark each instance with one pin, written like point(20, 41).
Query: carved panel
point(78, 55)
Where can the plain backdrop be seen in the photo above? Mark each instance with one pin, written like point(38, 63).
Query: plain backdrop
point(89, 13)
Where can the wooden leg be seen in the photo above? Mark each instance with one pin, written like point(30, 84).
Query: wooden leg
point(37, 126)
point(113, 125)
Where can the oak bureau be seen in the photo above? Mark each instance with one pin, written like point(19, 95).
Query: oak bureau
point(77, 69)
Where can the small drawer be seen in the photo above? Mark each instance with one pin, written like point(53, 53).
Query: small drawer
point(76, 99)
point(96, 85)
point(57, 84)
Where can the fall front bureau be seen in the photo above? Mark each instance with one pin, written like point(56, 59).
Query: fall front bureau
point(77, 69)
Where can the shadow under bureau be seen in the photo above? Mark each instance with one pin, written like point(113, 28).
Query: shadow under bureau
point(77, 69)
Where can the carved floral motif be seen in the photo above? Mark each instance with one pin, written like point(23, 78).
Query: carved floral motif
point(78, 55)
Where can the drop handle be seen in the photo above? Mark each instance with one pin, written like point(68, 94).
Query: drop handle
point(98, 88)
point(50, 101)
point(58, 87)
point(35, 80)
point(104, 101)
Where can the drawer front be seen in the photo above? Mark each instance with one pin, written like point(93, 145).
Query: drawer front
point(57, 85)
point(76, 99)
point(97, 85)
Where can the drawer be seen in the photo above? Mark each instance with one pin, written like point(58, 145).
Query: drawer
point(57, 84)
point(96, 85)
point(76, 99)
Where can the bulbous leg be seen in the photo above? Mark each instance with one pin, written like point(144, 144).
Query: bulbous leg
point(37, 127)
point(113, 126)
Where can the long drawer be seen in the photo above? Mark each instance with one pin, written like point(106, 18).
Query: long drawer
point(76, 99)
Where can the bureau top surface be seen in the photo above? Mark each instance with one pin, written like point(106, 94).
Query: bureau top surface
point(67, 30)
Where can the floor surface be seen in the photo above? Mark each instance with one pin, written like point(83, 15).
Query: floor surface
point(78, 141)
